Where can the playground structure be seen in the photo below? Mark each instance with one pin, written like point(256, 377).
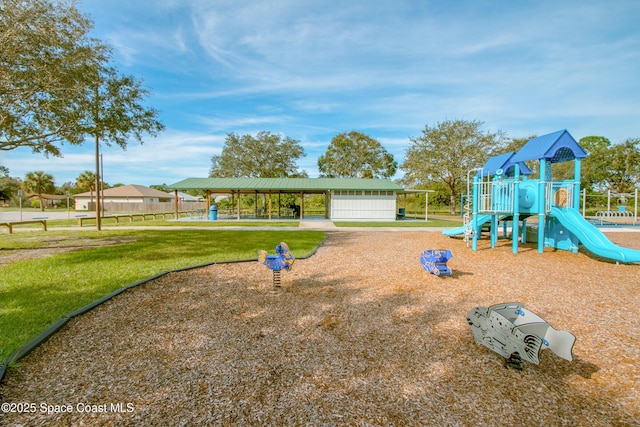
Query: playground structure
point(276, 263)
point(517, 334)
point(504, 192)
point(435, 261)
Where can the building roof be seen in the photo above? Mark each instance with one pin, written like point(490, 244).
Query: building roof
point(503, 161)
point(189, 198)
point(556, 147)
point(284, 184)
point(130, 191)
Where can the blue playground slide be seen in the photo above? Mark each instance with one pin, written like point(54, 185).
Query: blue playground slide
point(460, 230)
point(592, 238)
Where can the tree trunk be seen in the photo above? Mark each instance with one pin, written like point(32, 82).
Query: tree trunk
point(452, 204)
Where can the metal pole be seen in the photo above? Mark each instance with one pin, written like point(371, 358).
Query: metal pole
point(98, 224)
point(20, 199)
point(635, 209)
point(102, 181)
point(426, 206)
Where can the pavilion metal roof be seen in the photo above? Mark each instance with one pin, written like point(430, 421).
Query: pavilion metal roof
point(284, 184)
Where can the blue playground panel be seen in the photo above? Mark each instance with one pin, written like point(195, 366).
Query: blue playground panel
point(435, 261)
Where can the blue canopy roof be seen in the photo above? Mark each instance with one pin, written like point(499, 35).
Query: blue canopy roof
point(556, 147)
point(504, 162)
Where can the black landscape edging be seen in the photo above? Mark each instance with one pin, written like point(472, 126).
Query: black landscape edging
point(55, 326)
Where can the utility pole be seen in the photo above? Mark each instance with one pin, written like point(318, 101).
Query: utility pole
point(98, 219)
point(96, 120)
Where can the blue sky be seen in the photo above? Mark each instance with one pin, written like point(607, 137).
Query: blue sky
point(312, 69)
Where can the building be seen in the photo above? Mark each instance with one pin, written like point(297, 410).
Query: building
point(49, 200)
point(346, 199)
point(126, 197)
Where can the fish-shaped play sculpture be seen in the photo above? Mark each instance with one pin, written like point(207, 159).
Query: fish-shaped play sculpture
point(517, 334)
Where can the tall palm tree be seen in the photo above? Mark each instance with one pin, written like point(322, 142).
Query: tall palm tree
point(39, 183)
point(87, 181)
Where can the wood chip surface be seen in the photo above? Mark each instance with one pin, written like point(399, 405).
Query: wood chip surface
point(359, 334)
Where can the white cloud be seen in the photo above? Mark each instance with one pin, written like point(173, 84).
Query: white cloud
point(310, 70)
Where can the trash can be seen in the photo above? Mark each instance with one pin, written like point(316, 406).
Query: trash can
point(213, 213)
point(401, 213)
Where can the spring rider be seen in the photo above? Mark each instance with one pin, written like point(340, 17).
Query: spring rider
point(435, 261)
point(276, 263)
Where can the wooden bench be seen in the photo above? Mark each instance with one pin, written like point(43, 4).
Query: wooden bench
point(130, 216)
point(10, 225)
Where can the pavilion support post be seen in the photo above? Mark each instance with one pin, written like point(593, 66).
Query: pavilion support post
point(269, 206)
point(327, 203)
point(256, 209)
point(301, 205)
point(426, 206)
point(238, 206)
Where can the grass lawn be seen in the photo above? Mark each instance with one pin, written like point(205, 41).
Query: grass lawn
point(36, 292)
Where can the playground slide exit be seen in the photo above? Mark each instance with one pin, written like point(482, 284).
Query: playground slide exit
point(592, 238)
point(460, 230)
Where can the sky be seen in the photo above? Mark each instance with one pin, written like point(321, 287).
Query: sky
point(311, 69)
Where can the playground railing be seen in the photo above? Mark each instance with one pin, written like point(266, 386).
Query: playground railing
point(558, 194)
point(495, 197)
point(620, 217)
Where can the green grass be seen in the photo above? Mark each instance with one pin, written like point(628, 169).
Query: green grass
point(35, 293)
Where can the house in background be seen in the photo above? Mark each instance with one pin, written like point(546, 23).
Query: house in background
point(184, 197)
point(49, 200)
point(125, 198)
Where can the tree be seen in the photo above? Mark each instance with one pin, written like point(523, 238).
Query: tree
point(264, 156)
point(47, 62)
point(356, 155)
point(115, 110)
point(57, 85)
point(447, 152)
point(39, 183)
point(86, 181)
point(8, 186)
point(594, 166)
point(624, 166)
point(614, 167)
